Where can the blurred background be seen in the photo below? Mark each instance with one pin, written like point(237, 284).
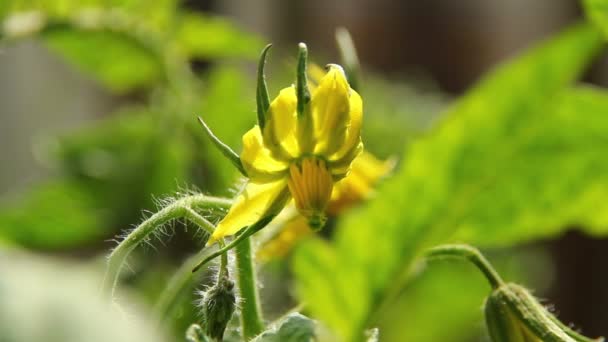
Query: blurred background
point(96, 128)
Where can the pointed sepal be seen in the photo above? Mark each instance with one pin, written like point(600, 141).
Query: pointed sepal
point(223, 148)
point(262, 98)
point(302, 91)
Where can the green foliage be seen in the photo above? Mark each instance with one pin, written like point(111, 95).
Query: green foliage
point(126, 45)
point(55, 215)
point(396, 113)
point(597, 12)
point(530, 200)
point(428, 299)
point(106, 182)
point(212, 37)
point(449, 179)
point(118, 61)
point(293, 328)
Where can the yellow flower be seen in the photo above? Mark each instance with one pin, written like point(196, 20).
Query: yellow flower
point(306, 145)
point(358, 185)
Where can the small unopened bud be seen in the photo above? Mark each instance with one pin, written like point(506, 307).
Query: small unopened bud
point(218, 305)
point(514, 315)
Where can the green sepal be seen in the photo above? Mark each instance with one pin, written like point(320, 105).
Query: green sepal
point(302, 92)
point(575, 335)
point(534, 321)
point(224, 149)
point(348, 55)
point(262, 98)
point(502, 325)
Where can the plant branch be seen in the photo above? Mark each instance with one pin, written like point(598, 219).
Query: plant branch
point(471, 254)
point(181, 208)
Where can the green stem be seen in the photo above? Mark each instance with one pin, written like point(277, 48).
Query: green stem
point(183, 207)
point(471, 254)
point(223, 262)
point(251, 314)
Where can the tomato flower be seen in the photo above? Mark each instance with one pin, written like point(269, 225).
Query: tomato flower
point(303, 145)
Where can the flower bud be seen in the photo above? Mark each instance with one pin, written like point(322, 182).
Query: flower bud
point(218, 305)
point(514, 315)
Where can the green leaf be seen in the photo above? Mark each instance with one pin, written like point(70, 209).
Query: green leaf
point(112, 171)
point(597, 12)
point(125, 160)
point(441, 179)
point(429, 310)
point(55, 215)
point(214, 37)
point(120, 62)
point(293, 328)
point(556, 177)
point(119, 44)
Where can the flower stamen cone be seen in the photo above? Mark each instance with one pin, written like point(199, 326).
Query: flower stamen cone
point(311, 184)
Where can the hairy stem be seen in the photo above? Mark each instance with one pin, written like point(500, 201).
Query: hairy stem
point(181, 208)
point(471, 254)
point(251, 314)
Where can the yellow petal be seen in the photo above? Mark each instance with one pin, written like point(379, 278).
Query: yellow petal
point(253, 203)
point(292, 231)
point(315, 74)
point(341, 166)
point(367, 166)
point(353, 132)
point(280, 129)
point(330, 111)
point(359, 184)
point(257, 160)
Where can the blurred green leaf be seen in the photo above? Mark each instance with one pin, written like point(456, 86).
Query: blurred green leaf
point(125, 160)
point(157, 14)
point(293, 328)
point(436, 190)
point(428, 310)
point(54, 215)
point(397, 112)
point(597, 12)
point(214, 37)
point(114, 169)
point(126, 44)
point(118, 61)
point(555, 177)
point(119, 50)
